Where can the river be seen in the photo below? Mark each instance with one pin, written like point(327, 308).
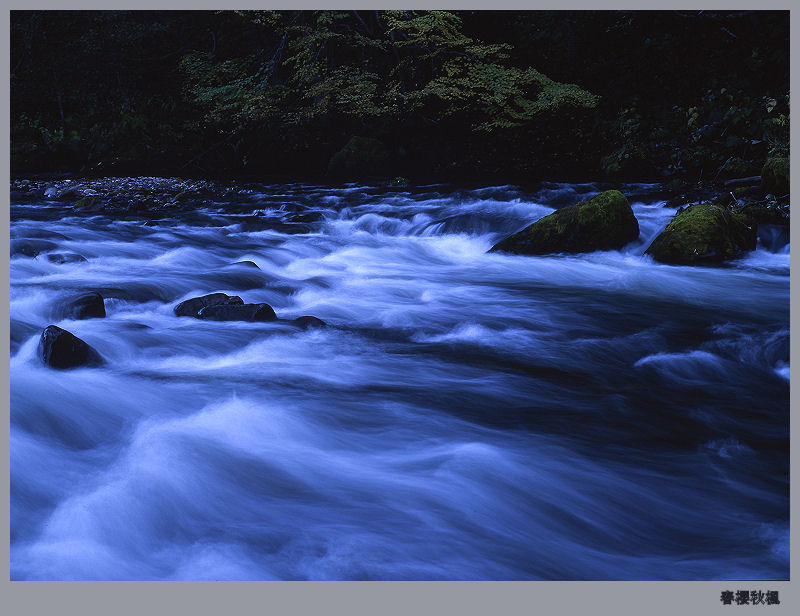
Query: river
point(464, 415)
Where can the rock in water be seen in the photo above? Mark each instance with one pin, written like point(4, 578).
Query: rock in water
point(192, 307)
point(85, 306)
point(309, 321)
point(703, 233)
point(604, 222)
point(243, 312)
point(60, 349)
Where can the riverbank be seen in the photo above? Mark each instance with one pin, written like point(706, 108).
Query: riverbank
point(736, 212)
point(70, 187)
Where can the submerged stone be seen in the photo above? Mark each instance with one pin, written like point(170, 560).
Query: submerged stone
point(60, 349)
point(703, 233)
point(604, 222)
point(308, 321)
point(244, 312)
point(65, 257)
point(31, 248)
point(192, 307)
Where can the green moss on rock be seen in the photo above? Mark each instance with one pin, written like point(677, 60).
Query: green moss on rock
point(704, 233)
point(604, 222)
point(775, 176)
point(88, 203)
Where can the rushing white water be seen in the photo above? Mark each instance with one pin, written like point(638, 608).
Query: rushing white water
point(464, 416)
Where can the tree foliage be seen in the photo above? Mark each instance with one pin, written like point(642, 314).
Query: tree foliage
point(448, 92)
point(328, 63)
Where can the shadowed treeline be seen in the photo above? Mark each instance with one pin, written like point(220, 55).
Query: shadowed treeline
point(431, 95)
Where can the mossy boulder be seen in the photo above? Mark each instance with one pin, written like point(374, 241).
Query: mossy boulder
point(361, 157)
point(775, 176)
point(704, 233)
point(604, 222)
point(88, 203)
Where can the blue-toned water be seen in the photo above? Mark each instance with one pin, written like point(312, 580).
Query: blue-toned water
point(464, 416)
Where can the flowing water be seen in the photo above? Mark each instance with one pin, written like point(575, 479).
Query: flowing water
point(463, 416)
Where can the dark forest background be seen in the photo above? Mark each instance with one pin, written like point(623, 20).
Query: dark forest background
point(430, 95)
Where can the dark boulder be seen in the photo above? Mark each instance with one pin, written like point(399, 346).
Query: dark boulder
point(58, 348)
point(307, 322)
point(360, 157)
point(604, 222)
point(65, 257)
point(31, 248)
point(243, 312)
point(191, 307)
point(703, 233)
point(247, 264)
point(85, 306)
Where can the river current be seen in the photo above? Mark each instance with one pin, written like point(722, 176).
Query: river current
point(464, 415)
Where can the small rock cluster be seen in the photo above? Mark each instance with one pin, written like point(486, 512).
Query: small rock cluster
point(222, 307)
point(59, 348)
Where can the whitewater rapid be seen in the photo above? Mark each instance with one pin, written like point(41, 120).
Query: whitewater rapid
point(463, 416)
